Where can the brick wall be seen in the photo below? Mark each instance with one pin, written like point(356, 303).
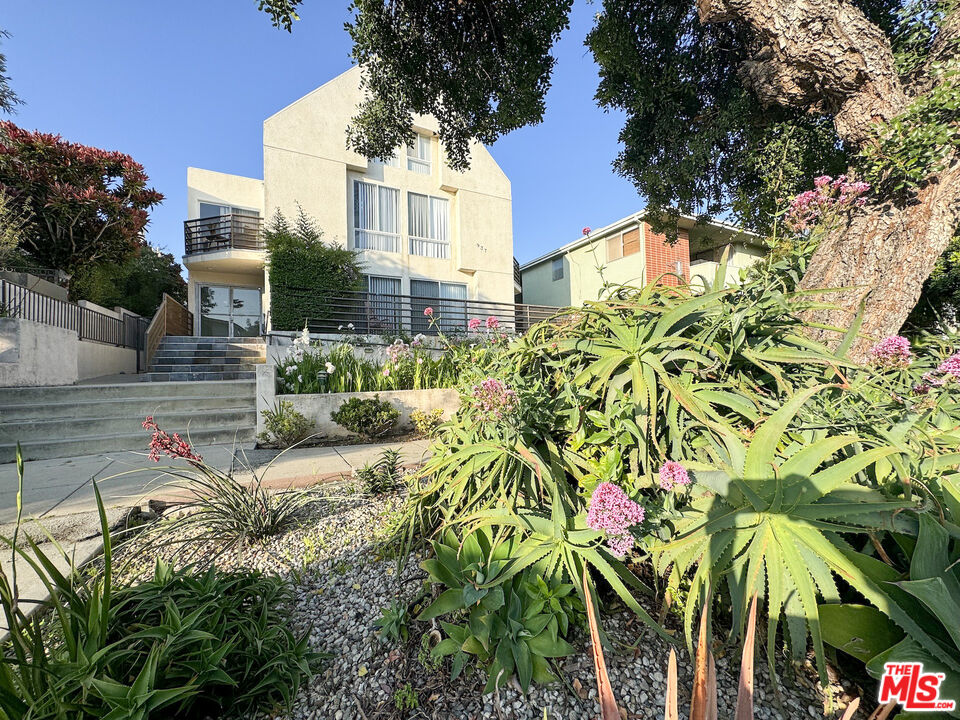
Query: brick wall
point(663, 258)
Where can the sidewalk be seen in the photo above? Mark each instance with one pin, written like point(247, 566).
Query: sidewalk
point(62, 486)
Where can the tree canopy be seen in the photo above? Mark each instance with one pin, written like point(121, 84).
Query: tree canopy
point(86, 205)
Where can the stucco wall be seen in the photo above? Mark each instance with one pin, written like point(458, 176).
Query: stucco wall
point(34, 354)
point(318, 407)
point(222, 189)
point(97, 360)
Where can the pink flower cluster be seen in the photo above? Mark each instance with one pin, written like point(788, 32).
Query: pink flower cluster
point(397, 350)
point(494, 398)
point(673, 473)
point(948, 369)
point(613, 512)
point(808, 207)
point(175, 447)
point(492, 323)
point(893, 351)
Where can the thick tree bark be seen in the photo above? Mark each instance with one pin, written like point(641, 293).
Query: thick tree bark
point(883, 254)
point(825, 56)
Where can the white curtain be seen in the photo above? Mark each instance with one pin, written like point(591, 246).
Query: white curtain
point(428, 226)
point(418, 155)
point(376, 217)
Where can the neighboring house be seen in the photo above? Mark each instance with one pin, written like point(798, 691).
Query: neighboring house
point(629, 252)
point(424, 230)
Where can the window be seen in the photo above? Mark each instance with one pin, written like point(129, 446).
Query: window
point(418, 155)
point(428, 225)
point(212, 210)
point(392, 161)
point(381, 309)
point(623, 244)
point(376, 220)
point(449, 303)
point(557, 267)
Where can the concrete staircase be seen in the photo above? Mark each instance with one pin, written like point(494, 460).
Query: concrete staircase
point(53, 422)
point(180, 358)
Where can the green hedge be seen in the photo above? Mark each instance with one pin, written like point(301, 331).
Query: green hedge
point(305, 272)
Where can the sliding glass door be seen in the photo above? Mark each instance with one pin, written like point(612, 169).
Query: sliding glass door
point(227, 311)
point(448, 301)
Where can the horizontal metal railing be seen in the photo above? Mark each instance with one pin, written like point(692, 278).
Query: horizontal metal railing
point(89, 324)
point(225, 232)
point(381, 313)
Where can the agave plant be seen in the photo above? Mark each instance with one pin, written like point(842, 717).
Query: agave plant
point(770, 523)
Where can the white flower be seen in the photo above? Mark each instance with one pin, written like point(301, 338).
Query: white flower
point(299, 378)
point(340, 327)
point(350, 326)
point(331, 367)
point(291, 369)
point(419, 361)
point(349, 376)
point(420, 337)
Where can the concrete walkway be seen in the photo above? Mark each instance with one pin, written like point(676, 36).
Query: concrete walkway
point(58, 494)
point(63, 486)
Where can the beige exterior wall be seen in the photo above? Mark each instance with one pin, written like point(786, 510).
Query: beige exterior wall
point(306, 164)
point(586, 266)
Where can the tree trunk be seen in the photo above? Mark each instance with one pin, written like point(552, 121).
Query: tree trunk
point(825, 56)
point(884, 254)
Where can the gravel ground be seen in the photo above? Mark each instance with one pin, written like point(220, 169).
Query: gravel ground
point(342, 583)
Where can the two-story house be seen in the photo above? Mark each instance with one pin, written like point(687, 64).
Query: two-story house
point(629, 252)
point(424, 230)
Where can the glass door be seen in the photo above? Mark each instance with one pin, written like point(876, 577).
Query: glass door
point(229, 311)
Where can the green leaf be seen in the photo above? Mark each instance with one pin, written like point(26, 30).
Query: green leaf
point(858, 630)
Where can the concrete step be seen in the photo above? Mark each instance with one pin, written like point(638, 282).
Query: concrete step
point(214, 360)
point(214, 341)
point(93, 444)
point(182, 422)
point(176, 352)
point(78, 393)
point(202, 367)
point(190, 376)
point(118, 407)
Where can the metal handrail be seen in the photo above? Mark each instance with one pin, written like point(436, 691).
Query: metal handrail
point(224, 232)
point(378, 313)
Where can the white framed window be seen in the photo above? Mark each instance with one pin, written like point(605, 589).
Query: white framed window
point(376, 217)
point(418, 155)
point(556, 268)
point(428, 224)
point(392, 161)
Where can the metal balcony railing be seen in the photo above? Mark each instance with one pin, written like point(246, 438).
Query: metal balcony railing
point(380, 313)
point(226, 232)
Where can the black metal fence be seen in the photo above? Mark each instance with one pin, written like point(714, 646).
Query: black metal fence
point(89, 324)
point(380, 313)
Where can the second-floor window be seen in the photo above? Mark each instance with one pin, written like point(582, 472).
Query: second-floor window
point(429, 225)
point(418, 155)
point(623, 244)
point(376, 217)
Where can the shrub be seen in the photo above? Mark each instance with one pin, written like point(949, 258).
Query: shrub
point(306, 273)
point(426, 423)
point(285, 426)
point(371, 417)
point(382, 476)
point(224, 507)
point(183, 644)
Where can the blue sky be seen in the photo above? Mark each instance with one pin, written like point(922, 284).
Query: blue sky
point(176, 83)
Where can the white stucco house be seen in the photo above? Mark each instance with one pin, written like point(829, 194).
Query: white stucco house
point(423, 229)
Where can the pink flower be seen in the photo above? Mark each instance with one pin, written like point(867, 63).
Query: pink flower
point(673, 473)
point(493, 398)
point(613, 512)
point(810, 206)
point(951, 366)
point(473, 324)
point(492, 323)
point(428, 312)
point(586, 230)
point(822, 181)
point(386, 372)
point(893, 351)
point(175, 447)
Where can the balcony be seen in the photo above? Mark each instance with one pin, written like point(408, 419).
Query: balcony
point(225, 232)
